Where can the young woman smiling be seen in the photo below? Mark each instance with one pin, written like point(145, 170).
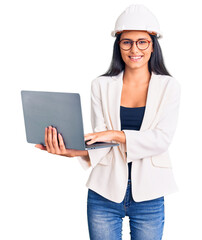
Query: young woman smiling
point(135, 103)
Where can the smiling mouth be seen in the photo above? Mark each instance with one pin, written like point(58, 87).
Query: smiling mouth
point(136, 58)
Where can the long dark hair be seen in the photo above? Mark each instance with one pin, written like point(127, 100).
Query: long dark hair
point(155, 64)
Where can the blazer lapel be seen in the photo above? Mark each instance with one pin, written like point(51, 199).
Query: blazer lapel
point(114, 100)
point(151, 102)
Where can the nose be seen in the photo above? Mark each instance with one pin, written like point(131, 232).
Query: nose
point(134, 48)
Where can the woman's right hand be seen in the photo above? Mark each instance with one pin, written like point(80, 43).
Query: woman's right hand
point(55, 145)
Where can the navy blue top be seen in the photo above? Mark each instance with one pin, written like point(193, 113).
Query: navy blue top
point(131, 119)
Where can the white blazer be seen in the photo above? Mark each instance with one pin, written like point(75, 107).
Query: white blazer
point(147, 149)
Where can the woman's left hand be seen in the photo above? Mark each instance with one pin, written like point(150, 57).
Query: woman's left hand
point(104, 136)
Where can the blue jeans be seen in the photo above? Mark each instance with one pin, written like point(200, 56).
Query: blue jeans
point(105, 217)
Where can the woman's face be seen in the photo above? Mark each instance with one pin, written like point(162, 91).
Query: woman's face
point(136, 58)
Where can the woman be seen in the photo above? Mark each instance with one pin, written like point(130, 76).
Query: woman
point(136, 104)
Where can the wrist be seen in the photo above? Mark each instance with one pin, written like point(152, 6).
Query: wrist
point(119, 136)
point(80, 153)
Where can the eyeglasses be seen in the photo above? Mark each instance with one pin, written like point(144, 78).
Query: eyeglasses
point(127, 44)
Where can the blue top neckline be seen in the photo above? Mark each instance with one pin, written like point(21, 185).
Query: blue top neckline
point(132, 107)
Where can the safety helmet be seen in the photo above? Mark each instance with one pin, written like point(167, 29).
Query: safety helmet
point(137, 17)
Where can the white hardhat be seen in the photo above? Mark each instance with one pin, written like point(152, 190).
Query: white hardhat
point(137, 17)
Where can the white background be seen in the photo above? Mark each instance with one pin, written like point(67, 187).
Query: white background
point(62, 46)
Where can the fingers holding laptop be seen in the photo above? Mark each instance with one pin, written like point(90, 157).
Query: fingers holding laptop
point(55, 144)
point(51, 141)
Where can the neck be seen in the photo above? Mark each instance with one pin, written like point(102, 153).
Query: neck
point(136, 77)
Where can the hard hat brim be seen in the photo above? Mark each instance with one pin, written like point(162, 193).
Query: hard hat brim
point(159, 34)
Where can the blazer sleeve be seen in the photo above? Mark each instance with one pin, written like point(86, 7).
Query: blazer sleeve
point(98, 125)
point(142, 144)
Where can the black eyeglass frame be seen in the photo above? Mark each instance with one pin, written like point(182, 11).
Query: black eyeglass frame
point(132, 42)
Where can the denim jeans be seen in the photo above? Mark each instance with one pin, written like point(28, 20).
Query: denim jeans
point(105, 217)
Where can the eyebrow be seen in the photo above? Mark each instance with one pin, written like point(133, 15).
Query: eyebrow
point(136, 40)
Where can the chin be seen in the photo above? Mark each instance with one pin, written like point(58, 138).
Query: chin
point(136, 65)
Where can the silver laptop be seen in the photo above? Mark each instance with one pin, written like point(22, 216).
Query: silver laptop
point(60, 110)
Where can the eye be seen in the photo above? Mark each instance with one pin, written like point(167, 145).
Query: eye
point(126, 42)
point(142, 42)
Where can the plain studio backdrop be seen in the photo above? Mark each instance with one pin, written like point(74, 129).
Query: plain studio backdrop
point(63, 45)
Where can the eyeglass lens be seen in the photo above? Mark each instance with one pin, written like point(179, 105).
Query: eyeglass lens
point(127, 44)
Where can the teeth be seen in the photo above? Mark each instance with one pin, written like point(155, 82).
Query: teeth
point(135, 57)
